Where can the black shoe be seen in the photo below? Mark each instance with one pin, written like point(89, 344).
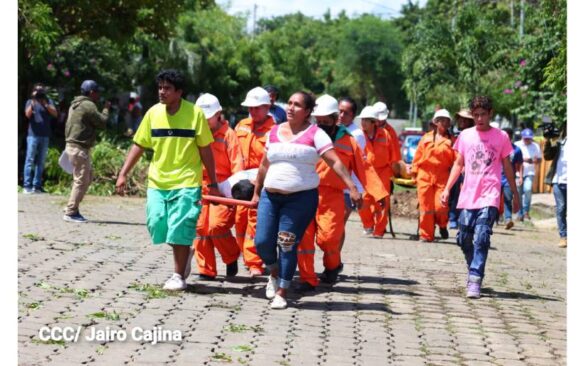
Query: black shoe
point(203, 277)
point(444, 233)
point(304, 287)
point(330, 275)
point(232, 269)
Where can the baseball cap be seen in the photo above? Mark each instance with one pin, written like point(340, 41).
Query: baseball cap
point(325, 105)
point(527, 133)
point(209, 104)
point(441, 113)
point(368, 112)
point(133, 95)
point(89, 85)
point(256, 97)
point(381, 109)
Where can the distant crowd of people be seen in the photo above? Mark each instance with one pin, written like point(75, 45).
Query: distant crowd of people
point(301, 172)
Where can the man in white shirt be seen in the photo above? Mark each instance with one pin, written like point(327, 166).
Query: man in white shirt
point(532, 158)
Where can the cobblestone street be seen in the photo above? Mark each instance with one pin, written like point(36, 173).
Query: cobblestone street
point(399, 302)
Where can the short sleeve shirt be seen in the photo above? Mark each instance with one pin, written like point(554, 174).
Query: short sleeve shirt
point(482, 152)
point(529, 151)
point(175, 140)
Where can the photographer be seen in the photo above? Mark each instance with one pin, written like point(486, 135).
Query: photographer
point(39, 110)
point(555, 149)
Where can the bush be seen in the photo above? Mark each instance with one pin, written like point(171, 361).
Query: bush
point(107, 159)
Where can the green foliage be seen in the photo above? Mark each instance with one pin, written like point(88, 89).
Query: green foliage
point(459, 51)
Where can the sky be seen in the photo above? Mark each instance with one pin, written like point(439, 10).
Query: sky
point(315, 8)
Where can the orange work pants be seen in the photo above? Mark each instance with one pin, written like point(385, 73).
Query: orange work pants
point(251, 258)
point(327, 230)
point(213, 231)
point(373, 216)
point(431, 211)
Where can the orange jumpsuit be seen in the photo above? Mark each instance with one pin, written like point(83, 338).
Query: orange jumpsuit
point(215, 221)
point(395, 145)
point(378, 154)
point(432, 164)
point(328, 226)
point(252, 140)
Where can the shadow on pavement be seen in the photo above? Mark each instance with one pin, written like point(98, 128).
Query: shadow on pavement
point(115, 223)
point(341, 306)
point(489, 292)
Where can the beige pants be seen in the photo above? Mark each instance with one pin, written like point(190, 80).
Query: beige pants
point(82, 175)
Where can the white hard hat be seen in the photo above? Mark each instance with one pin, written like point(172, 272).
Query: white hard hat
point(368, 112)
point(133, 95)
point(209, 104)
point(382, 110)
point(442, 113)
point(257, 97)
point(325, 105)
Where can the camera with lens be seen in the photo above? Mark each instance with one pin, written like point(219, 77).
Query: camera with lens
point(40, 94)
point(550, 131)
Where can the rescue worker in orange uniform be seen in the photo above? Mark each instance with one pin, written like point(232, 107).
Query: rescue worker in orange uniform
point(383, 112)
point(252, 133)
point(215, 221)
point(431, 165)
point(378, 153)
point(328, 227)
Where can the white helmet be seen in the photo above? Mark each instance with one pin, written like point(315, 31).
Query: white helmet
point(368, 112)
point(325, 105)
point(209, 104)
point(257, 97)
point(382, 110)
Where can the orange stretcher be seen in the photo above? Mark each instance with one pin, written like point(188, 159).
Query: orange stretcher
point(227, 201)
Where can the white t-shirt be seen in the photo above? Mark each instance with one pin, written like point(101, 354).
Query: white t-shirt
point(292, 163)
point(561, 173)
point(360, 138)
point(529, 151)
point(225, 187)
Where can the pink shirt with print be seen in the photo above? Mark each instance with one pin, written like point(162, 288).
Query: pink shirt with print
point(482, 152)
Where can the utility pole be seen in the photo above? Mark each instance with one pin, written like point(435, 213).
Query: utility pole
point(254, 20)
point(512, 13)
point(521, 19)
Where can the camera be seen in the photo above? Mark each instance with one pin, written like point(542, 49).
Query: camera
point(39, 94)
point(549, 130)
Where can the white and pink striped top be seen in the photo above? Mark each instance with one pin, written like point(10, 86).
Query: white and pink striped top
point(292, 163)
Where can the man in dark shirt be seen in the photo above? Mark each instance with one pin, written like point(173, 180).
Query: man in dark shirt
point(39, 110)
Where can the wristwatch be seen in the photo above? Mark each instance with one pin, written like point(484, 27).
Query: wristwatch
point(213, 185)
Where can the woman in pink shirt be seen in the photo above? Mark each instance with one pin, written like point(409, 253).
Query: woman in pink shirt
point(286, 191)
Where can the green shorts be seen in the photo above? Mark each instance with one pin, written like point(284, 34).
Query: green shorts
point(171, 215)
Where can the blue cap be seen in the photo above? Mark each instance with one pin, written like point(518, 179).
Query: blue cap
point(89, 85)
point(527, 133)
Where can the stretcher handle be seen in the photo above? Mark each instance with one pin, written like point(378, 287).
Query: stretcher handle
point(227, 201)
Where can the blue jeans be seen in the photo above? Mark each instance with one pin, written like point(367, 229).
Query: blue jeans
point(454, 198)
point(281, 223)
point(508, 195)
point(560, 193)
point(525, 191)
point(475, 229)
point(36, 153)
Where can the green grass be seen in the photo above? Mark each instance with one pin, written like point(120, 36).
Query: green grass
point(242, 348)
point(33, 237)
point(152, 291)
point(222, 357)
point(113, 315)
point(50, 341)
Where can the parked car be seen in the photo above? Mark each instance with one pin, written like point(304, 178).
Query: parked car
point(409, 146)
point(408, 140)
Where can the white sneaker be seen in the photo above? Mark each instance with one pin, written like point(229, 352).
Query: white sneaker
point(188, 266)
point(368, 232)
point(278, 302)
point(175, 283)
point(271, 287)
